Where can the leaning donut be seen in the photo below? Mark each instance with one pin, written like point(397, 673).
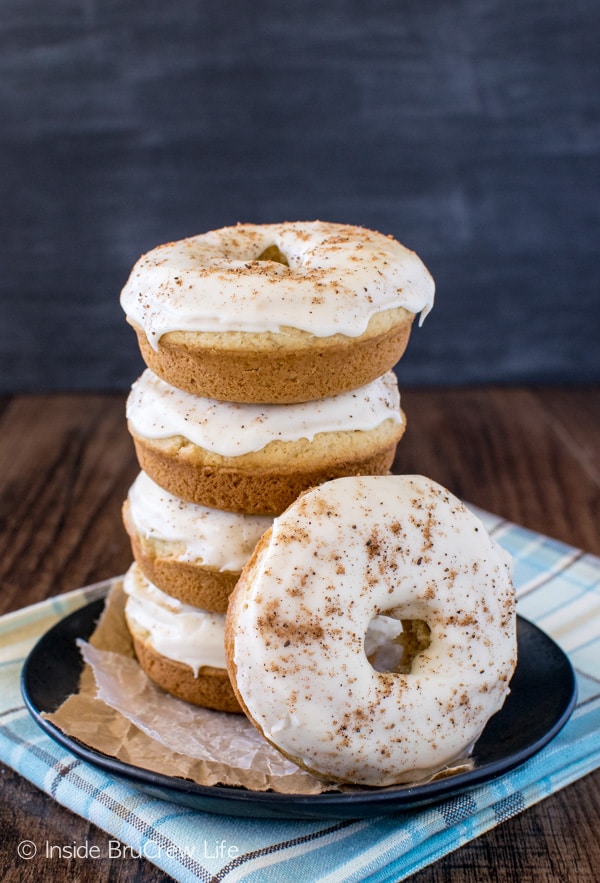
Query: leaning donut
point(278, 312)
point(344, 560)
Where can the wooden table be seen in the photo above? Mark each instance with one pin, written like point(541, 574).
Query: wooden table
point(66, 462)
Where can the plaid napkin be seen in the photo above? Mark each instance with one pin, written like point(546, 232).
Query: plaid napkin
point(558, 588)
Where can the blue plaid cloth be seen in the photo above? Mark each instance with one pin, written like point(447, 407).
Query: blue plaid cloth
point(558, 589)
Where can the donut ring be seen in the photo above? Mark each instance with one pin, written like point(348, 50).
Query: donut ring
point(191, 552)
point(256, 459)
point(178, 646)
point(276, 313)
point(342, 556)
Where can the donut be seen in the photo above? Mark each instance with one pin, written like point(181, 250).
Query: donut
point(191, 552)
point(257, 459)
point(366, 556)
point(179, 647)
point(276, 313)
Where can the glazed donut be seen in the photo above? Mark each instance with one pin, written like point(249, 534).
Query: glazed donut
point(258, 458)
point(179, 647)
point(345, 559)
point(191, 552)
point(276, 313)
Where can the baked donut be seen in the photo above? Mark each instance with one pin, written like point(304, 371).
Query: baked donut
point(258, 458)
point(276, 313)
point(191, 552)
point(355, 554)
point(179, 647)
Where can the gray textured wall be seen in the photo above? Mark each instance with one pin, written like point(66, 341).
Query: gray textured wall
point(469, 130)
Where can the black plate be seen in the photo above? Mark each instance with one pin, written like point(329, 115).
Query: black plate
point(542, 697)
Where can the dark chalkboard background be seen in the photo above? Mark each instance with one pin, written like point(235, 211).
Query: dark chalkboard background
point(469, 130)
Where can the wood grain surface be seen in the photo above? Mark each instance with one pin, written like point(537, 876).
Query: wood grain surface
point(66, 462)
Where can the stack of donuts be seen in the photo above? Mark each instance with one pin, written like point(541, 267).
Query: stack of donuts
point(269, 353)
point(278, 564)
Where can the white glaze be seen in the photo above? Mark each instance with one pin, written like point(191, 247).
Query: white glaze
point(178, 631)
point(338, 278)
point(210, 537)
point(157, 410)
point(344, 553)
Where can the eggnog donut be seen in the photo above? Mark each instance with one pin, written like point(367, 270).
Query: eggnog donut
point(354, 556)
point(257, 458)
point(191, 552)
point(278, 312)
point(178, 646)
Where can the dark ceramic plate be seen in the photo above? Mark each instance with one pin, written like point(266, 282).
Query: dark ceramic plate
point(542, 697)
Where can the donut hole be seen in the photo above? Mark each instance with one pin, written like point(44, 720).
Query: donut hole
point(273, 253)
point(392, 643)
